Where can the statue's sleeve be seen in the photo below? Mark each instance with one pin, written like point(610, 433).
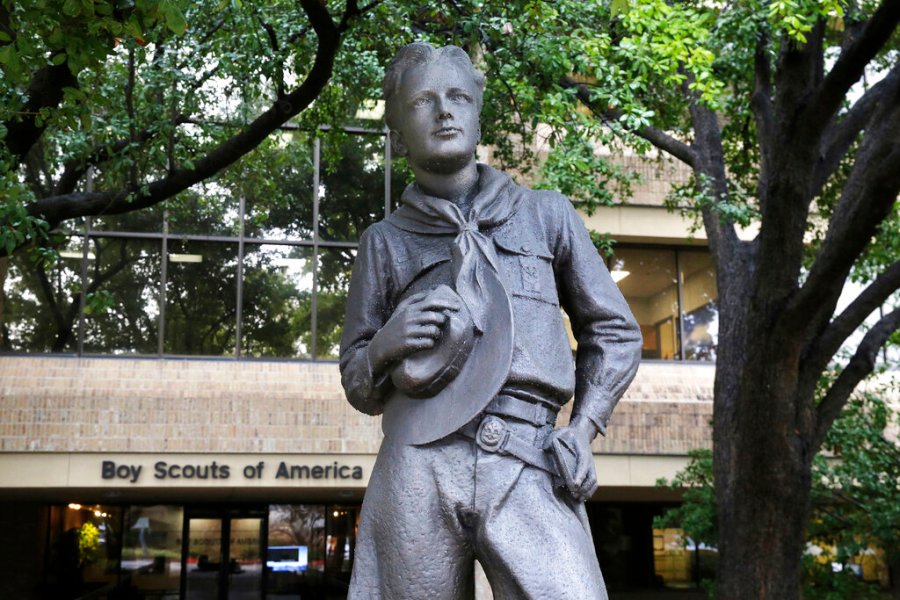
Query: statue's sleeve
point(608, 336)
point(367, 311)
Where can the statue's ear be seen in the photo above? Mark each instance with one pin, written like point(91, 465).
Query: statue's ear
point(397, 145)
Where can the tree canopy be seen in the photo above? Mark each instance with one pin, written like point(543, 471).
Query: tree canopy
point(157, 95)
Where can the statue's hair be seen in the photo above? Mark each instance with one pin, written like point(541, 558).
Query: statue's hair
point(423, 53)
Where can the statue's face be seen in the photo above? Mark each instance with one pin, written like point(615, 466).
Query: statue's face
point(437, 125)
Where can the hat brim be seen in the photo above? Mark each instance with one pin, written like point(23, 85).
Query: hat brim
point(419, 421)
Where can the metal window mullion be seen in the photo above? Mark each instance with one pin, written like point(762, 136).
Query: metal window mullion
point(678, 280)
point(85, 250)
point(239, 306)
point(163, 281)
point(315, 261)
point(82, 296)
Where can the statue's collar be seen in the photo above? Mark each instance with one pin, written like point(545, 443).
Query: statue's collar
point(494, 203)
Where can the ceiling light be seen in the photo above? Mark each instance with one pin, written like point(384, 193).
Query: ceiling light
point(186, 258)
point(78, 255)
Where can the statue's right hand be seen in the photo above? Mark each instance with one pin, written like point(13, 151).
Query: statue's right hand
point(415, 325)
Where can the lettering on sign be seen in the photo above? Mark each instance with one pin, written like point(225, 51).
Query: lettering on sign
point(162, 470)
point(335, 471)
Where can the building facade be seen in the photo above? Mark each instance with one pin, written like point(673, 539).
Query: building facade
point(173, 424)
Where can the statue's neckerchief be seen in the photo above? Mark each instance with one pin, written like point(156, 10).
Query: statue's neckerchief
point(474, 257)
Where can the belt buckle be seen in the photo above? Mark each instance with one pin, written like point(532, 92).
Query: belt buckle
point(492, 432)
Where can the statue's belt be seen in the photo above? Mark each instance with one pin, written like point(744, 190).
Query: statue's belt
point(498, 435)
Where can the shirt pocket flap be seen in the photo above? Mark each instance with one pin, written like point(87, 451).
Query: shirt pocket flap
point(521, 241)
point(416, 260)
point(527, 265)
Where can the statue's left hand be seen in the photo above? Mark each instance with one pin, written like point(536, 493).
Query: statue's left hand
point(570, 447)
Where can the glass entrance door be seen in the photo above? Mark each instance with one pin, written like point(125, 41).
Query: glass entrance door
point(245, 572)
point(223, 558)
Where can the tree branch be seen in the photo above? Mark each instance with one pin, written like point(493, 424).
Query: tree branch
point(34, 169)
point(860, 48)
point(710, 164)
point(839, 137)
point(58, 208)
point(279, 65)
point(761, 100)
point(797, 77)
point(75, 168)
point(657, 137)
point(353, 10)
point(44, 91)
point(129, 108)
point(823, 348)
point(49, 296)
point(860, 366)
point(866, 200)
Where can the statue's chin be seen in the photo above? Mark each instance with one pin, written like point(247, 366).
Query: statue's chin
point(449, 164)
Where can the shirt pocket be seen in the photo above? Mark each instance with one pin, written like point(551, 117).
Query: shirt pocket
point(527, 266)
point(417, 261)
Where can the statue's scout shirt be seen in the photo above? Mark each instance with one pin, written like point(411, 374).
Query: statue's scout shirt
point(546, 261)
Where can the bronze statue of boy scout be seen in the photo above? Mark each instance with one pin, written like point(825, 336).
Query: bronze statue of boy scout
point(454, 333)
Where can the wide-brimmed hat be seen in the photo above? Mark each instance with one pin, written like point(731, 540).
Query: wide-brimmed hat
point(425, 373)
point(439, 390)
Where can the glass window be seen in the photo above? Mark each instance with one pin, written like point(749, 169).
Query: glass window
point(351, 192)
point(151, 548)
point(678, 562)
point(279, 199)
point(295, 557)
point(205, 553)
point(701, 313)
point(146, 220)
point(672, 562)
point(245, 563)
point(340, 544)
point(647, 279)
point(201, 298)
point(277, 301)
point(206, 209)
point(84, 550)
point(335, 265)
point(122, 302)
point(40, 302)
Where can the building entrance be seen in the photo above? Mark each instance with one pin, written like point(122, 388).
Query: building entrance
point(223, 555)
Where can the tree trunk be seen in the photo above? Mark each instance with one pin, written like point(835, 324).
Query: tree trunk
point(762, 461)
point(762, 510)
point(761, 539)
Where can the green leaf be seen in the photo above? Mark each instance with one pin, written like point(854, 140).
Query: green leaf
point(174, 18)
point(71, 7)
point(6, 54)
point(59, 59)
point(618, 7)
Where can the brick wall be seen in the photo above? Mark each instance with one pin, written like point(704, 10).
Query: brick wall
point(67, 404)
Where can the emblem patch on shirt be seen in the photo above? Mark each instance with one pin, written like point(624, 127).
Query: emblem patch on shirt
point(531, 281)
